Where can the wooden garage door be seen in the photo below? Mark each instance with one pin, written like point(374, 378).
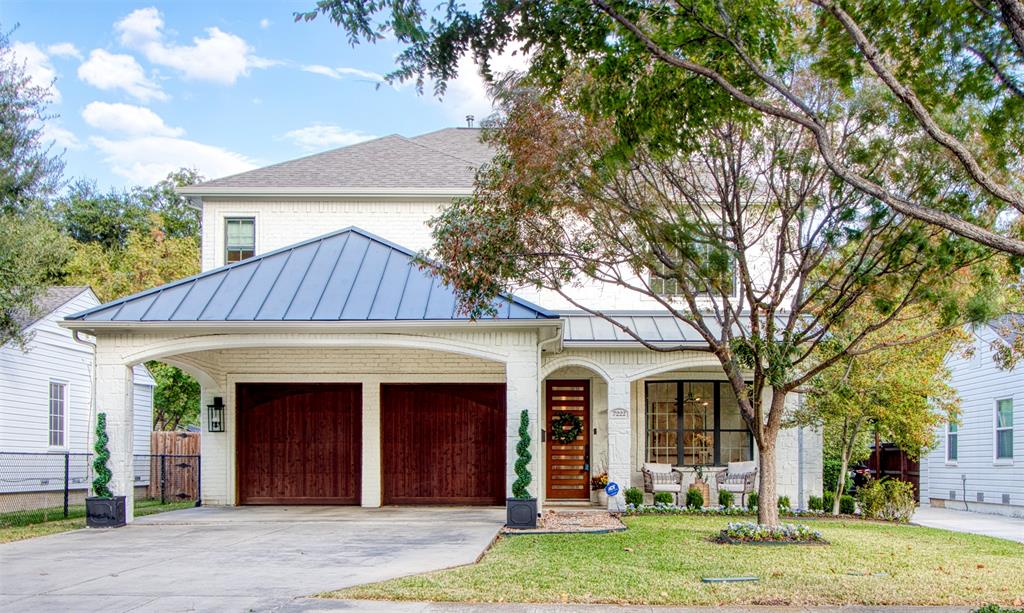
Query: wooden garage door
point(443, 443)
point(299, 443)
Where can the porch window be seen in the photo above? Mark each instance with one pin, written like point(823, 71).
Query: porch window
point(1004, 429)
point(695, 422)
point(240, 238)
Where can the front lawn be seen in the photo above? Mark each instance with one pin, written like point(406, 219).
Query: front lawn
point(661, 560)
point(27, 524)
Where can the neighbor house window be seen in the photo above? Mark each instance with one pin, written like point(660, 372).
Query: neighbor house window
point(1004, 429)
point(695, 422)
point(664, 283)
point(952, 440)
point(58, 413)
point(240, 238)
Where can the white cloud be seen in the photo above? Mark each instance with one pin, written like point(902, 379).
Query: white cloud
point(148, 159)
point(64, 50)
point(219, 57)
point(61, 137)
point(264, 23)
point(38, 68)
point(109, 71)
point(467, 93)
point(342, 71)
point(127, 119)
point(321, 136)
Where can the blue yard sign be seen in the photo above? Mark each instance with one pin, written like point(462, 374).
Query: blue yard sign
point(612, 488)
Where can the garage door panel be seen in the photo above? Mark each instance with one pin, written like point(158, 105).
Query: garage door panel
point(443, 443)
point(299, 443)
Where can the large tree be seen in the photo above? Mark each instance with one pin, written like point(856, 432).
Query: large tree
point(949, 75)
point(747, 240)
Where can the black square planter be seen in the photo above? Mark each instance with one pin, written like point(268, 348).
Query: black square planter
point(104, 512)
point(521, 513)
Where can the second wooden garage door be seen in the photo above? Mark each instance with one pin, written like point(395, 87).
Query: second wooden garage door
point(443, 443)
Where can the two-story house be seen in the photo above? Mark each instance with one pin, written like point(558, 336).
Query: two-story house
point(345, 374)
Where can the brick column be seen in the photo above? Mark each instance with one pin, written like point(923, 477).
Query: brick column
point(114, 397)
point(619, 434)
point(522, 385)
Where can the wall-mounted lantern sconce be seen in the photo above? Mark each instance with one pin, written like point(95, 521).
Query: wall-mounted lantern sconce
point(215, 415)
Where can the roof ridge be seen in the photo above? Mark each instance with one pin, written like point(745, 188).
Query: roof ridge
point(429, 148)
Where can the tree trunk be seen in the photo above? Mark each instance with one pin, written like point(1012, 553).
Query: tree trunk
point(841, 481)
point(767, 500)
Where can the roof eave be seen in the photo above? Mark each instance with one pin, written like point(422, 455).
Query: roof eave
point(303, 326)
point(631, 344)
point(324, 192)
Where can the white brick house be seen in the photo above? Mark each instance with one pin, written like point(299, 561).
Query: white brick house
point(333, 354)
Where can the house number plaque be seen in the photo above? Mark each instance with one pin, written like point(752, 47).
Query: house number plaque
point(621, 413)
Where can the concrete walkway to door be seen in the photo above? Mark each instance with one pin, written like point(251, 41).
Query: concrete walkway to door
point(236, 559)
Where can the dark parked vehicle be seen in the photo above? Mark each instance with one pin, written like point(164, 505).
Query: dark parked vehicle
point(860, 474)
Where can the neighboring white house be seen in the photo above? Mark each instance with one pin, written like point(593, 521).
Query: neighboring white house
point(979, 463)
point(45, 398)
point(347, 375)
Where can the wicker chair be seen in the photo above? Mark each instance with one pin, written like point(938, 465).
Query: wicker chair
point(662, 478)
point(738, 478)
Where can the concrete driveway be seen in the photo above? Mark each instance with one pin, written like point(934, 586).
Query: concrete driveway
point(236, 559)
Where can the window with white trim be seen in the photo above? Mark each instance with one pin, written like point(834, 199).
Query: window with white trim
point(952, 442)
point(239, 238)
point(58, 414)
point(1004, 429)
point(664, 282)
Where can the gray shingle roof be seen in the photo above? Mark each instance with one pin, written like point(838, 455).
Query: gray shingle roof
point(348, 275)
point(443, 159)
point(52, 299)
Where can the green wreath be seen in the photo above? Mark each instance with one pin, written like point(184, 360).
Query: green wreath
point(566, 427)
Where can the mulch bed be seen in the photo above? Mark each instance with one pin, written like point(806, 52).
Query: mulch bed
point(724, 540)
point(568, 522)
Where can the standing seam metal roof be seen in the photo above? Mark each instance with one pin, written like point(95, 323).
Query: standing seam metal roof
point(348, 275)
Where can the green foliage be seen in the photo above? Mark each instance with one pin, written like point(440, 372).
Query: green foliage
point(32, 254)
point(815, 503)
point(828, 501)
point(634, 496)
point(830, 470)
point(752, 501)
point(725, 498)
point(175, 398)
point(994, 608)
point(99, 464)
point(29, 171)
point(887, 499)
point(784, 504)
point(847, 505)
point(694, 498)
point(664, 498)
point(750, 532)
point(523, 457)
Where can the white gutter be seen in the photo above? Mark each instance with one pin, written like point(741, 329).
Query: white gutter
point(361, 192)
point(631, 344)
point(304, 326)
point(91, 429)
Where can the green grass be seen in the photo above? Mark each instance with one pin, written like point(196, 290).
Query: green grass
point(40, 522)
point(660, 561)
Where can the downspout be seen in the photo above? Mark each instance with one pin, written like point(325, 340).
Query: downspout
point(90, 429)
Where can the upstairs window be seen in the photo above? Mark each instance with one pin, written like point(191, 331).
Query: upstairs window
point(663, 282)
point(952, 442)
point(240, 238)
point(1004, 429)
point(58, 414)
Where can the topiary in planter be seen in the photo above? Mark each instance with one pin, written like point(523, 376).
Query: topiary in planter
point(521, 508)
point(694, 499)
point(103, 509)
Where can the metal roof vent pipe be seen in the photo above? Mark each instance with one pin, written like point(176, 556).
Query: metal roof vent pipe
point(469, 121)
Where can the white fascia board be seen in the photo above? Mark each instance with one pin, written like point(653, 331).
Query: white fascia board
point(333, 192)
point(258, 327)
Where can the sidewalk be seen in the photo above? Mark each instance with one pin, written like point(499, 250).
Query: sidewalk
point(1009, 528)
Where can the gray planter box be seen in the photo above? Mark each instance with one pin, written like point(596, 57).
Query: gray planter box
point(104, 512)
point(521, 513)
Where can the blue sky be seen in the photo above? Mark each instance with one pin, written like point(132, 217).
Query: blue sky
point(142, 88)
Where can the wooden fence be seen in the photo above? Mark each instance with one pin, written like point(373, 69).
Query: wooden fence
point(174, 465)
point(888, 460)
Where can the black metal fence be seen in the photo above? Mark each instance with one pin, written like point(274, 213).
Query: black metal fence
point(37, 487)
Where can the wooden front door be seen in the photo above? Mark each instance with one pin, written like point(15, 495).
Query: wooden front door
point(443, 443)
point(299, 443)
point(568, 463)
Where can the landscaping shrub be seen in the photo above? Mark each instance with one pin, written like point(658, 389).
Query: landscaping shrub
point(749, 532)
point(664, 498)
point(725, 498)
point(694, 499)
point(830, 474)
point(634, 496)
point(784, 503)
point(815, 503)
point(752, 501)
point(828, 500)
point(847, 505)
point(994, 608)
point(887, 499)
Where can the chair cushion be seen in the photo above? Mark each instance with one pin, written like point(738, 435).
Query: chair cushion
point(741, 468)
point(657, 468)
point(731, 486)
point(668, 487)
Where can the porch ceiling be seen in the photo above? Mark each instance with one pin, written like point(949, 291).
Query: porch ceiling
point(347, 276)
